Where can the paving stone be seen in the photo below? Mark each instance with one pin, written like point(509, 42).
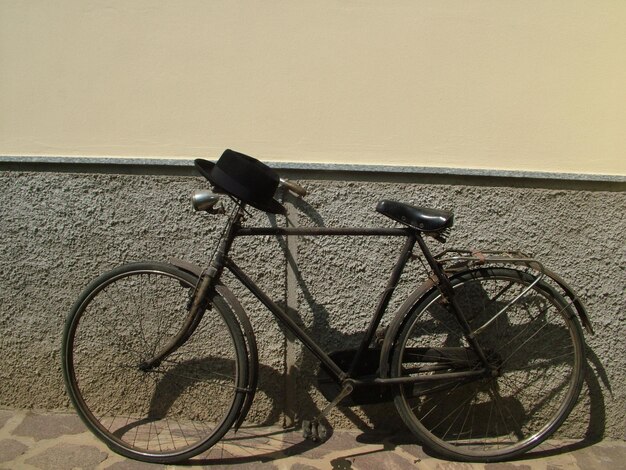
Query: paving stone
point(600, 456)
point(217, 453)
point(304, 447)
point(342, 463)
point(268, 449)
point(238, 465)
point(249, 443)
point(556, 467)
point(303, 466)
point(256, 435)
point(134, 465)
point(379, 459)
point(337, 442)
point(373, 437)
point(236, 457)
point(507, 466)
point(68, 457)
point(414, 450)
point(4, 416)
point(49, 426)
point(610, 455)
point(10, 449)
point(457, 466)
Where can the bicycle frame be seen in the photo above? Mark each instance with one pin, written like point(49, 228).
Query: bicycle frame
point(210, 277)
point(286, 320)
point(222, 260)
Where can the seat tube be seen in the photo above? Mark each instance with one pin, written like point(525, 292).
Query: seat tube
point(383, 302)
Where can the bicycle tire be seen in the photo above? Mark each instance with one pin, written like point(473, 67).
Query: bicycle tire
point(537, 343)
point(176, 410)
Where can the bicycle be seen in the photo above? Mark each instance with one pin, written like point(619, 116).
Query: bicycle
point(483, 361)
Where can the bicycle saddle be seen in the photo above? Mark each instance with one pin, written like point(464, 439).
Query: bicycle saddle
point(422, 219)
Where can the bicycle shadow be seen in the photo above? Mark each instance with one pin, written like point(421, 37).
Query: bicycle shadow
point(596, 407)
point(261, 445)
point(379, 416)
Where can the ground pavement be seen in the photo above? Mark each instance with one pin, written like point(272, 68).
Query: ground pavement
point(32, 440)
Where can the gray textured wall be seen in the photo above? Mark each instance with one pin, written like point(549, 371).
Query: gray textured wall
point(60, 230)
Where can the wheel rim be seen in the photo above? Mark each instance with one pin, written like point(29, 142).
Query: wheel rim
point(185, 403)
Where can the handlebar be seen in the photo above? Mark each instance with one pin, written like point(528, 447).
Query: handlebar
point(293, 187)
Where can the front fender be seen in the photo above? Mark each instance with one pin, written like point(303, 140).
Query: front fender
point(248, 333)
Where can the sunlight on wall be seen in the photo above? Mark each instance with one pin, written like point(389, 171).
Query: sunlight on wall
point(486, 84)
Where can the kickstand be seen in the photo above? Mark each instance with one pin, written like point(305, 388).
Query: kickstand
point(314, 429)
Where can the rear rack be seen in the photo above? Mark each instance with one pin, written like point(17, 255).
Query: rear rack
point(453, 261)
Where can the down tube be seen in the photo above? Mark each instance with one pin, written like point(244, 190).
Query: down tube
point(285, 319)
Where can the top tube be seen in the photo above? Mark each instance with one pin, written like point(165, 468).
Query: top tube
point(338, 231)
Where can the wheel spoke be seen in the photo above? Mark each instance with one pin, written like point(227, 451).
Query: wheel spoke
point(175, 410)
point(534, 346)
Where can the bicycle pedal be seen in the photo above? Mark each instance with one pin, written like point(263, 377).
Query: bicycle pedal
point(315, 431)
point(310, 430)
point(323, 432)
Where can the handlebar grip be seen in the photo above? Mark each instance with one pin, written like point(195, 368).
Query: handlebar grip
point(293, 187)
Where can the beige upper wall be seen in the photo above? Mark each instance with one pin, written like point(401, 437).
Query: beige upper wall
point(534, 85)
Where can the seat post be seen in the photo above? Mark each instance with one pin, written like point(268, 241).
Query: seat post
point(443, 283)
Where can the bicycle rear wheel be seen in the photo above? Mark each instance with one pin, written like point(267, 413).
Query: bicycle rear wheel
point(167, 413)
point(537, 344)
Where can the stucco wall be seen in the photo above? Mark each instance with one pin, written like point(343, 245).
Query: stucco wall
point(60, 230)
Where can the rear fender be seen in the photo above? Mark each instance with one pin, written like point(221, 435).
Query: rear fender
point(576, 302)
point(464, 259)
point(397, 322)
point(425, 288)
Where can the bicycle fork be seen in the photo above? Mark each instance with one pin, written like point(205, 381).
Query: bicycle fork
point(203, 291)
point(192, 320)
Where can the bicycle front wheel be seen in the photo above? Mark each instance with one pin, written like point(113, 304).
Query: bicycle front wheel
point(169, 412)
point(536, 344)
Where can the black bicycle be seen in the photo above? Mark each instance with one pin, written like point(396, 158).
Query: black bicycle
point(483, 361)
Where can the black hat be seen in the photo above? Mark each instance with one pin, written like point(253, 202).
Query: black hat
point(245, 178)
